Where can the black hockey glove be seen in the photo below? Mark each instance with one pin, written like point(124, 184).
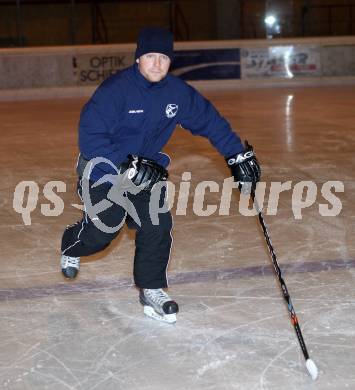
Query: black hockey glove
point(145, 172)
point(245, 167)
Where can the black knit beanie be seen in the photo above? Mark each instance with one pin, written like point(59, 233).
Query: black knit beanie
point(155, 40)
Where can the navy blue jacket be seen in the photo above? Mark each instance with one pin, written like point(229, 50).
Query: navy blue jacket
point(130, 115)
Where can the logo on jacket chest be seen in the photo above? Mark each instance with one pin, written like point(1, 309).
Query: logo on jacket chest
point(171, 110)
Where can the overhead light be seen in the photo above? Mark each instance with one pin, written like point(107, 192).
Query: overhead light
point(270, 20)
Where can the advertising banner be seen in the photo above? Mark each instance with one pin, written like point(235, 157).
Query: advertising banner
point(281, 61)
point(211, 64)
point(92, 69)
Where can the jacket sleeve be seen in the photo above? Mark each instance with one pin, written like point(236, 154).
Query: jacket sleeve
point(201, 118)
point(97, 120)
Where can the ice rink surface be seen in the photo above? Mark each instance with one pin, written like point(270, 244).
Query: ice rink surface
point(233, 331)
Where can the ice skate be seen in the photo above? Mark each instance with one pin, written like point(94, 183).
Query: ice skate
point(158, 305)
point(70, 266)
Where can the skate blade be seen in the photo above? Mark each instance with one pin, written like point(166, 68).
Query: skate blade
point(167, 318)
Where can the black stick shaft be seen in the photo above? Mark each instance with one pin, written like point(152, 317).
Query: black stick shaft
point(294, 319)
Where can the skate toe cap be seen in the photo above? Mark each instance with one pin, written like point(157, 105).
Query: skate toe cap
point(70, 272)
point(170, 307)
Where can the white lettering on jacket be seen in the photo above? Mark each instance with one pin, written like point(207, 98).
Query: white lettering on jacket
point(135, 111)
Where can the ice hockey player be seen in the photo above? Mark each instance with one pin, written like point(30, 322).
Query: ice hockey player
point(126, 123)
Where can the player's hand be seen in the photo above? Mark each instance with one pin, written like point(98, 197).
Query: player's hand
point(245, 167)
point(144, 172)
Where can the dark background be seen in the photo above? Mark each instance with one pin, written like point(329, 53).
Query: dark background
point(49, 23)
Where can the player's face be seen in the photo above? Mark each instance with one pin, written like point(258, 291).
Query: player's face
point(154, 66)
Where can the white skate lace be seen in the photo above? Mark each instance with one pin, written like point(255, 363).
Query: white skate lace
point(157, 296)
point(68, 261)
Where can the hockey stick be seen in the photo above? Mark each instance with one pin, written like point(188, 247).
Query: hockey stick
point(311, 367)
